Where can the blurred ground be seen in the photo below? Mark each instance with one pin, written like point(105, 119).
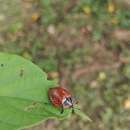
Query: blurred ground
point(85, 45)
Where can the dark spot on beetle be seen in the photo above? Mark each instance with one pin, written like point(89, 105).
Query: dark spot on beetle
point(2, 65)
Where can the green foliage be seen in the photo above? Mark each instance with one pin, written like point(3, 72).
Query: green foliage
point(49, 14)
point(127, 71)
point(124, 17)
point(15, 27)
point(24, 94)
point(97, 35)
point(53, 11)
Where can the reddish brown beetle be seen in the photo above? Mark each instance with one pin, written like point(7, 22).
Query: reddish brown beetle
point(61, 98)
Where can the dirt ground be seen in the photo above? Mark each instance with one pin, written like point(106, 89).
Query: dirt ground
point(84, 46)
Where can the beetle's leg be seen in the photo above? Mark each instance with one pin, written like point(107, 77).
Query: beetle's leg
point(62, 110)
point(73, 111)
point(72, 106)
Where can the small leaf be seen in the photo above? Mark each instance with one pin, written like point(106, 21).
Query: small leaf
point(82, 115)
point(24, 94)
point(15, 27)
point(87, 10)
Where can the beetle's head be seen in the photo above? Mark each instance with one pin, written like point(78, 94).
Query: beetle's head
point(67, 103)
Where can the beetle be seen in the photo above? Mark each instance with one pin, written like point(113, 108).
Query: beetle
point(61, 98)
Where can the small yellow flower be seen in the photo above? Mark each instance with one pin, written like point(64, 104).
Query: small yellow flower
point(102, 76)
point(87, 10)
point(35, 16)
point(111, 7)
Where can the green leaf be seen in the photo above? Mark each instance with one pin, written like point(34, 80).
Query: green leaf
point(15, 27)
point(24, 94)
point(127, 71)
point(46, 2)
point(82, 115)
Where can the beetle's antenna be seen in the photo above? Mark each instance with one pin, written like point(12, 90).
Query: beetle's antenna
point(73, 111)
point(62, 110)
point(77, 108)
